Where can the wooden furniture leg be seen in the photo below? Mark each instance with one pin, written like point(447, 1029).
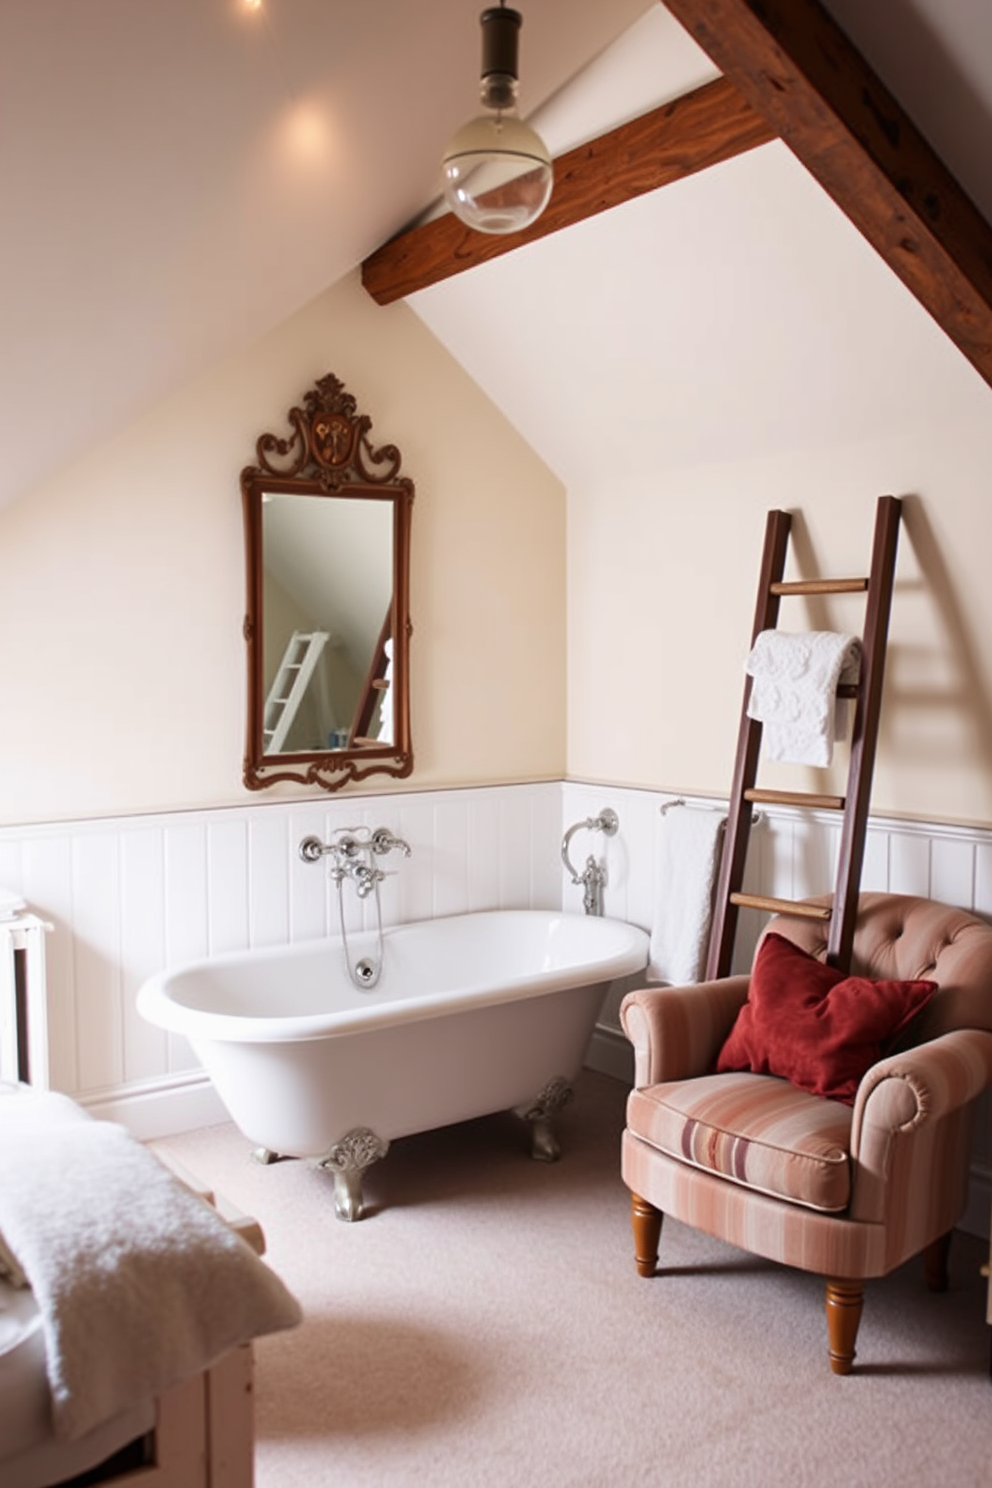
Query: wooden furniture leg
point(935, 1259)
point(844, 1302)
point(647, 1234)
point(987, 1272)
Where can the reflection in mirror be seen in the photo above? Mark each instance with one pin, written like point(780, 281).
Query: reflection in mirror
point(326, 598)
point(327, 525)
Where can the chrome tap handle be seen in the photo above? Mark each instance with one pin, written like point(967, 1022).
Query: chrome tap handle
point(382, 841)
point(365, 878)
point(593, 881)
point(312, 849)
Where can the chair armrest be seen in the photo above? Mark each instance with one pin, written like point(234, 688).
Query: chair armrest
point(911, 1129)
point(923, 1083)
point(677, 1032)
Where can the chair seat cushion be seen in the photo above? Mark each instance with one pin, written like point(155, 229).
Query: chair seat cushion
point(756, 1130)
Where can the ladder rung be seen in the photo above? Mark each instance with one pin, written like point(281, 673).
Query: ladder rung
point(819, 586)
point(782, 906)
point(380, 684)
point(796, 798)
point(848, 689)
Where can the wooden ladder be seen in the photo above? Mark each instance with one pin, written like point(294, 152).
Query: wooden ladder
point(299, 661)
point(867, 692)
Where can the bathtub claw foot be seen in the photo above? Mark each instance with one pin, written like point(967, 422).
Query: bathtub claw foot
point(264, 1155)
point(540, 1113)
point(348, 1160)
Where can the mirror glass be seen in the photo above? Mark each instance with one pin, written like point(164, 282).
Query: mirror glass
point(327, 594)
point(327, 525)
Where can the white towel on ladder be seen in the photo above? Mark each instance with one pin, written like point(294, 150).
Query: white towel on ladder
point(687, 855)
point(794, 691)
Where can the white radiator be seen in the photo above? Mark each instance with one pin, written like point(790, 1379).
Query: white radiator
point(24, 1001)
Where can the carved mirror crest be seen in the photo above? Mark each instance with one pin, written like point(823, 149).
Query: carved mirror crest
point(327, 624)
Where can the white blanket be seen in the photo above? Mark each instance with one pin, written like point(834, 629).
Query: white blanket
point(687, 855)
point(794, 691)
point(139, 1282)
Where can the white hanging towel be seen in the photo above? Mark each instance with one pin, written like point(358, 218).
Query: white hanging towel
point(794, 691)
point(687, 855)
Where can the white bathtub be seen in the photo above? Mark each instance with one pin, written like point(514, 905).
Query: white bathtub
point(472, 1014)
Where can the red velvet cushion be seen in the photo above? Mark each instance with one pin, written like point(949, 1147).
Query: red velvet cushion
point(814, 1026)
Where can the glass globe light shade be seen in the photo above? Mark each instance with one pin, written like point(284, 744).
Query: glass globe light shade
point(497, 174)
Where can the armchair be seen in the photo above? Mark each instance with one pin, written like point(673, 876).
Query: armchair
point(848, 1192)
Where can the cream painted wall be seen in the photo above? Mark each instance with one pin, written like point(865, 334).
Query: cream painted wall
point(662, 585)
point(122, 582)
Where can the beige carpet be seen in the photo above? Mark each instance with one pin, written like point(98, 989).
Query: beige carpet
point(486, 1326)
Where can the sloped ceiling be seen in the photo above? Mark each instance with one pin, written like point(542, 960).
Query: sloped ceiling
point(734, 314)
point(179, 178)
point(936, 57)
point(704, 341)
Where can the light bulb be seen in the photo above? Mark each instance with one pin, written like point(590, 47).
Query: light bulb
point(497, 171)
point(497, 174)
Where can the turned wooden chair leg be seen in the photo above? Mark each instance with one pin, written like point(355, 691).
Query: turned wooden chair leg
point(647, 1234)
point(935, 1259)
point(844, 1303)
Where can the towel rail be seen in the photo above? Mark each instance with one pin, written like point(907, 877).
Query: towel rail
point(681, 801)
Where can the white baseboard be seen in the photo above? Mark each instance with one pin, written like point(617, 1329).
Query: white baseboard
point(163, 1108)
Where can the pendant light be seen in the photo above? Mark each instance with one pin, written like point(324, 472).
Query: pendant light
point(497, 171)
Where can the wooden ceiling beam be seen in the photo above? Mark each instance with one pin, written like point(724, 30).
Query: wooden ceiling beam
point(802, 73)
point(690, 133)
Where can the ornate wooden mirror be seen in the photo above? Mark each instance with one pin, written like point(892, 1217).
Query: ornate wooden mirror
point(327, 529)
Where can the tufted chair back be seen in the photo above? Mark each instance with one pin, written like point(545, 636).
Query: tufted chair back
point(903, 937)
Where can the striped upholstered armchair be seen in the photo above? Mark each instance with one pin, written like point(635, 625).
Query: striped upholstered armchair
point(847, 1173)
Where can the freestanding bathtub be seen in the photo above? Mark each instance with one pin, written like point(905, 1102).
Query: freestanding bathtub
point(472, 1014)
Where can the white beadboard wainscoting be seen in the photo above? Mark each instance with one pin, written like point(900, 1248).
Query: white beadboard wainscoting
point(127, 896)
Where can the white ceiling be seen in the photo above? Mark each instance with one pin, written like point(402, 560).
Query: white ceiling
point(180, 177)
